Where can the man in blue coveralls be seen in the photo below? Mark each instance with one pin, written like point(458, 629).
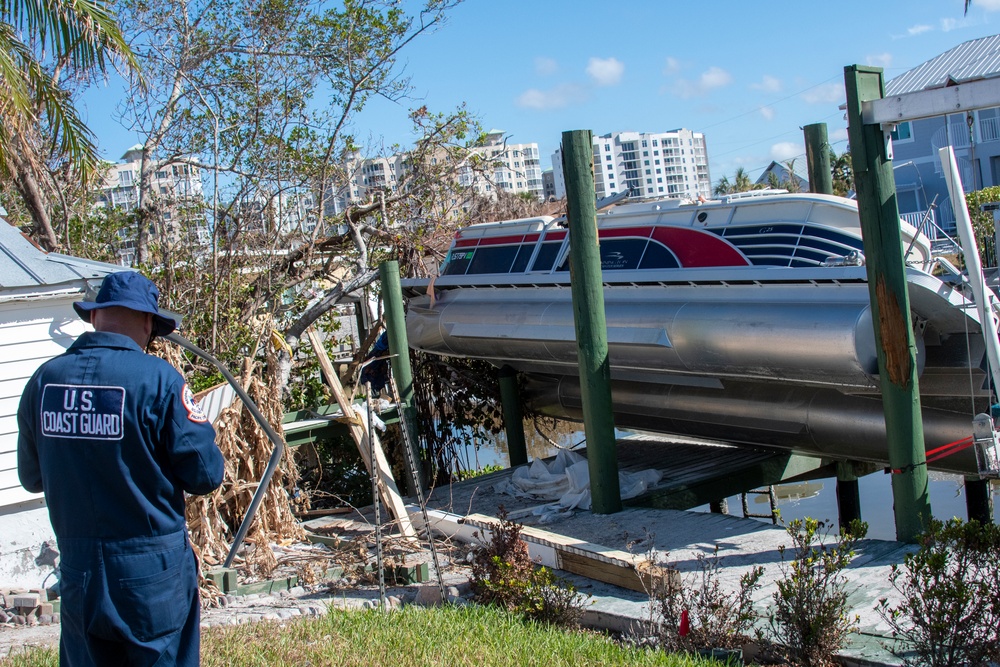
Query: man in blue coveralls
point(114, 437)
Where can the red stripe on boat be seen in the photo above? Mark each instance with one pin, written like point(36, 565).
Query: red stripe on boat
point(697, 248)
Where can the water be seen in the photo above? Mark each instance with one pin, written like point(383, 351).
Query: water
point(816, 499)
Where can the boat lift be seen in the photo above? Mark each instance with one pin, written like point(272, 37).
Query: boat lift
point(887, 113)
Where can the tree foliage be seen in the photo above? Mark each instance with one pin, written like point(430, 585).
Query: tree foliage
point(49, 48)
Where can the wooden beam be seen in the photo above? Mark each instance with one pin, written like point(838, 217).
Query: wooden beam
point(594, 561)
point(388, 490)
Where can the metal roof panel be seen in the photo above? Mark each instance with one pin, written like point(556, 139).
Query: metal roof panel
point(969, 61)
point(24, 266)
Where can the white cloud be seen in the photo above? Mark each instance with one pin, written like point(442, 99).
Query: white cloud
point(840, 134)
point(919, 29)
point(786, 150)
point(987, 5)
point(554, 98)
point(546, 66)
point(882, 60)
point(673, 66)
point(827, 93)
point(767, 113)
point(768, 84)
point(710, 79)
point(949, 24)
point(605, 71)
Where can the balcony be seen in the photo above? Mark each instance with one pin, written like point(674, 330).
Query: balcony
point(989, 129)
point(925, 221)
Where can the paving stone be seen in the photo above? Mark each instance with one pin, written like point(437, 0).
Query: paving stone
point(27, 600)
point(428, 595)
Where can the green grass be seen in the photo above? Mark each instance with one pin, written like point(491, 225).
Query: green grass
point(474, 636)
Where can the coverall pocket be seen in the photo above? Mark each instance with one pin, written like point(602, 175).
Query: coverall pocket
point(72, 593)
point(156, 604)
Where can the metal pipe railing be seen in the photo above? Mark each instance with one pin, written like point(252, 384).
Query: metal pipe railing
point(272, 435)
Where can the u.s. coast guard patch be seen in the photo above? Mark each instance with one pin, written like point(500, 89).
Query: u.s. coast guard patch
point(193, 407)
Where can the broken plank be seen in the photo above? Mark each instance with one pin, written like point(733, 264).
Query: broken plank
point(359, 429)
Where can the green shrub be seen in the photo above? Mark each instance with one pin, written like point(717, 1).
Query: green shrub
point(810, 616)
point(950, 611)
point(503, 574)
point(718, 619)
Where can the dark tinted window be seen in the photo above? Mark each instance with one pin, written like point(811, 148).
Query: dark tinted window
point(546, 256)
point(458, 262)
point(621, 254)
point(493, 259)
point(658, 257)
point(523, 255)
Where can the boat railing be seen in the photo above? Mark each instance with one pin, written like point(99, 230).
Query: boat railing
point(751, 194)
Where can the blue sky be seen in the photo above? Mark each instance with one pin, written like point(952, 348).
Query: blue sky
point(748, 75)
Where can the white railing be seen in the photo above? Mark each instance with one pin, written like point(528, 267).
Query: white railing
point(924, 222)
point(989, 129)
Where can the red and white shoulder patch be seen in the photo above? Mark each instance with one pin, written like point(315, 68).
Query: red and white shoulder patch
point(193, 407)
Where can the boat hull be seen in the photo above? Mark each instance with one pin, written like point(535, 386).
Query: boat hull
point(766, 359)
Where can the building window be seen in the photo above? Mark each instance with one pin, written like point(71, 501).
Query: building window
point(649, 181)
point(125, 177)
point(902, 133)
point(655, 143)
point(660, 189)
point(645, 143)
point(608, 157)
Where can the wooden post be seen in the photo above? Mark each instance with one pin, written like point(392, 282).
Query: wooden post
point(395, 326)
point(379, 468)
point(848, 495)
point(513, 418)
point(591, 324)
point(818, 158)
point(978, 502)
point(890, 303)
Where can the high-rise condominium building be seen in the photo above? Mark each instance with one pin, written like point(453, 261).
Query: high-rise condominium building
point(654, 164)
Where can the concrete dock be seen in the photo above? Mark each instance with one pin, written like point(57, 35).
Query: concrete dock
point(677, 538)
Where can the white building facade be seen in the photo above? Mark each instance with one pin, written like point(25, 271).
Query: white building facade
point(670, 164)
point(502, 167)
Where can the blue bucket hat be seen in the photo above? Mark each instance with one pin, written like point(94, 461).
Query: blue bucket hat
point(132, 290)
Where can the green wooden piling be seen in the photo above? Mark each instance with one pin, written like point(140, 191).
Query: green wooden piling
point(395, 326)
point(513, 418)
point(890, 304)
point(848, 495)
point(818, 158)
point(590, 321)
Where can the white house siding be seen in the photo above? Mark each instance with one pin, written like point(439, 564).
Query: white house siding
point(31, 332)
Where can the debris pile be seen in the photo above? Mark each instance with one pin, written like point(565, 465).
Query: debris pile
point(213, 519)
point(23, 607)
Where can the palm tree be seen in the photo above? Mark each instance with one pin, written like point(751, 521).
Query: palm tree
point(742, 182)
point(723, 187)
point(41, 42)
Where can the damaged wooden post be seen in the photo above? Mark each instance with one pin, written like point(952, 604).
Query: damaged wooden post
point(890, 304)
point(380, 467)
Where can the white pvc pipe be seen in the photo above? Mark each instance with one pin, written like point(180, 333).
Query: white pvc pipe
point(980, 291)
